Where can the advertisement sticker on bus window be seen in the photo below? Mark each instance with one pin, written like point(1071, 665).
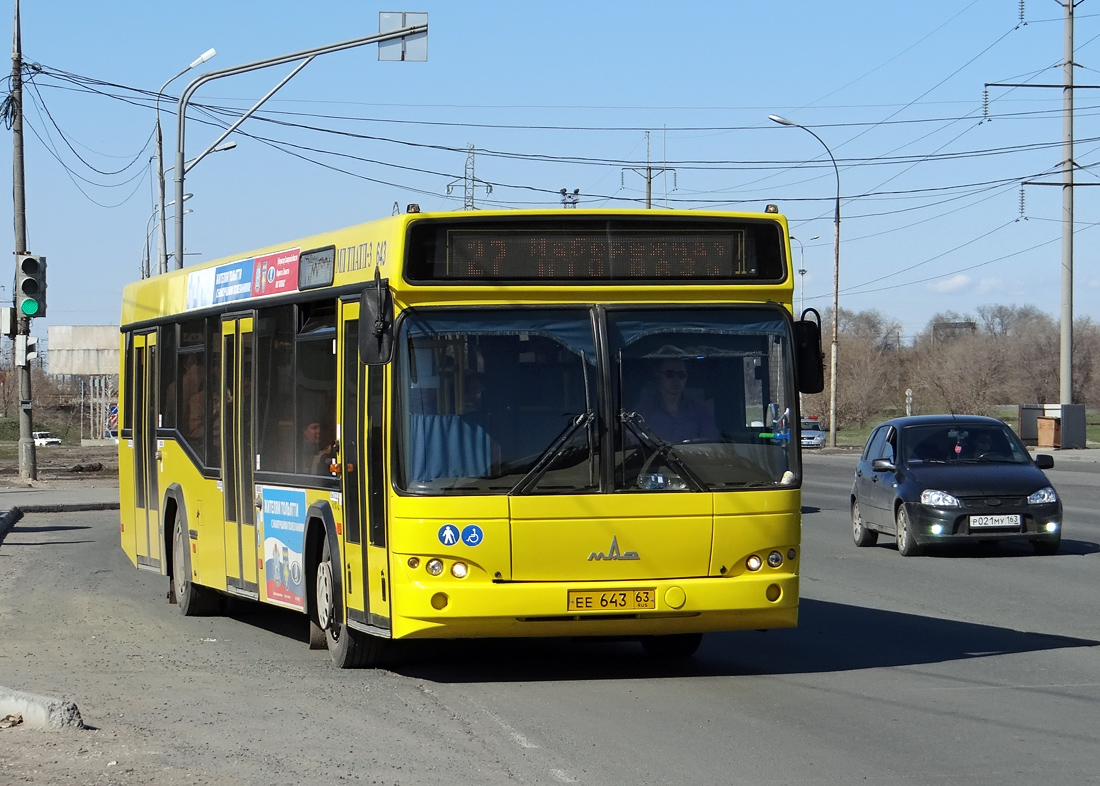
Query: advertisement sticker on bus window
point(275, 274)
point(284, 521)
point(233, 281)
point(262, 276)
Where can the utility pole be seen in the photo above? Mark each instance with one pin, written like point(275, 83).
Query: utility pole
point(28, 467)
point(1065, 386)
point(648, 173)
point(470, 181)
point(1066, 353)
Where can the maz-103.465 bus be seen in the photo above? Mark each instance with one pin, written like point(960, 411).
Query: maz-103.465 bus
point(447, 425)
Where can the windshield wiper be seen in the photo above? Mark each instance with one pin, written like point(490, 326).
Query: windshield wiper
point(552, 453)
point(636, 424)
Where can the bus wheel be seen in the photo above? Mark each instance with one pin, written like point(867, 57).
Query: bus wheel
point(675, 647)
point(194, 601)
point(348, 648)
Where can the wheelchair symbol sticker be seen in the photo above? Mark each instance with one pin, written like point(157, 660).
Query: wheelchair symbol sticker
point(448, 534)
point(472, 535)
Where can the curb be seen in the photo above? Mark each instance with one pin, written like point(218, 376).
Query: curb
point(66, 507)
point(40, 712)
point(8, 520)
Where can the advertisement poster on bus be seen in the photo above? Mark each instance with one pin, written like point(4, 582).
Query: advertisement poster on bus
point(275, 274)
point(284, 523)
point(262, 276)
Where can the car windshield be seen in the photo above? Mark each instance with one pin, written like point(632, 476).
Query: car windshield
point(811, 425)
point(954, 444)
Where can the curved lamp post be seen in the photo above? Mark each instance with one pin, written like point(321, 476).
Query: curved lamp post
point(802, 268)
point(836, 276)
point(162, 235)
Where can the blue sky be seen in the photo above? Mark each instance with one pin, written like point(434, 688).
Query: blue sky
point(561, 95)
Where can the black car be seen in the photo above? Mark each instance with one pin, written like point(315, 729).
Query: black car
point(950, 479)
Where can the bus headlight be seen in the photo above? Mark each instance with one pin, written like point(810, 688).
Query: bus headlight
point(775, 559)
point(459, 570)
point(434, 566)
point(754, 562)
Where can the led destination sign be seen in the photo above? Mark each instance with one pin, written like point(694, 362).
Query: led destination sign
point(581, 255)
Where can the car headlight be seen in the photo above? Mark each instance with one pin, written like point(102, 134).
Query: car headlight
point(938, 499)
point(1042, 496)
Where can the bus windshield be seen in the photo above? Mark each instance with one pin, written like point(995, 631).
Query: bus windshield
point(704, 396)
point(508, 400)
point(495, 399)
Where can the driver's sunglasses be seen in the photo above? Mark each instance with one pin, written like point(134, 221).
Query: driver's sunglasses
point(674, 374)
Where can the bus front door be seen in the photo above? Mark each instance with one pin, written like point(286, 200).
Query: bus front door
point(238, 457)
point(143, 372)
point(361, 468)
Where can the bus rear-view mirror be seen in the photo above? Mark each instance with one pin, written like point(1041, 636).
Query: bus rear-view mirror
point(809, 360)
point(376, 323)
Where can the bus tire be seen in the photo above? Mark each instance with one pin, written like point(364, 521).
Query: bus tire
point(348, 648)
point(674, 647)
point(193, 600)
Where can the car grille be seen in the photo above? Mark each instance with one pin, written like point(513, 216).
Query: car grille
point(993, 503)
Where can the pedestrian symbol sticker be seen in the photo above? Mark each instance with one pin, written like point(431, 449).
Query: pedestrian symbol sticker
point(448, 534)
point(472, 535)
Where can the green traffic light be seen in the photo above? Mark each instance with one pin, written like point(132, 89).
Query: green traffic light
point(29, 307)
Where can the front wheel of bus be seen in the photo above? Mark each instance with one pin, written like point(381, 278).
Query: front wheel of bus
point(348, 648)
point(675, 647)
point(193, 601)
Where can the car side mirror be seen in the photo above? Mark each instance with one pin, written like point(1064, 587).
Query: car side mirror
point(809, 360)
point(883, 465)
point(376, 322)
point(1043, 461)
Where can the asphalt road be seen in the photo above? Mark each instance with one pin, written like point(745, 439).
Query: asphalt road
point(975, 666)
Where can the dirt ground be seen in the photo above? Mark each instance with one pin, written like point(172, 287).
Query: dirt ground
point(63, 466)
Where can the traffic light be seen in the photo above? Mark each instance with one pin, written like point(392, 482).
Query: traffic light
point(30, 285)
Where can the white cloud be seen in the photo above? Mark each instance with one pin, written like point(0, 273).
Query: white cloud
point(951, 284)
point(988, 285)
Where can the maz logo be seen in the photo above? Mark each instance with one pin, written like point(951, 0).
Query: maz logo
point(613, 552)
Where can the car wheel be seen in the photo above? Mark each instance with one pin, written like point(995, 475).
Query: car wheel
point(907, 546)
point(348, 648)
point(675, 647)
point(861, 534)
point(1046, 547)
point(194, 601)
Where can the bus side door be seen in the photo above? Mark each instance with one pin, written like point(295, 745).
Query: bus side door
point(143, 372)
point(238, 456)
point(362, 476)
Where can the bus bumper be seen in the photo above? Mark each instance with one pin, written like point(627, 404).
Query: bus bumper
point(455, 609)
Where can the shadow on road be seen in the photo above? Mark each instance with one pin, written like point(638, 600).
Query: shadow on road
point(830, 637)
point(1002, 549)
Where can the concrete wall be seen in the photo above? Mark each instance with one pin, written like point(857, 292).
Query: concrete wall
point(83, 349)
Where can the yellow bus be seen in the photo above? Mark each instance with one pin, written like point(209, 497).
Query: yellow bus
point(490, 424)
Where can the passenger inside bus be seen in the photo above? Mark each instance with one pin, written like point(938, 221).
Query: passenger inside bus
point(318, 449)
point(673, 411)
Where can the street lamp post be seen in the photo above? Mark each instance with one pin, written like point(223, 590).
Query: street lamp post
point(836, 276)
point(802, 270)
point(303, 58)
point(162, 235)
